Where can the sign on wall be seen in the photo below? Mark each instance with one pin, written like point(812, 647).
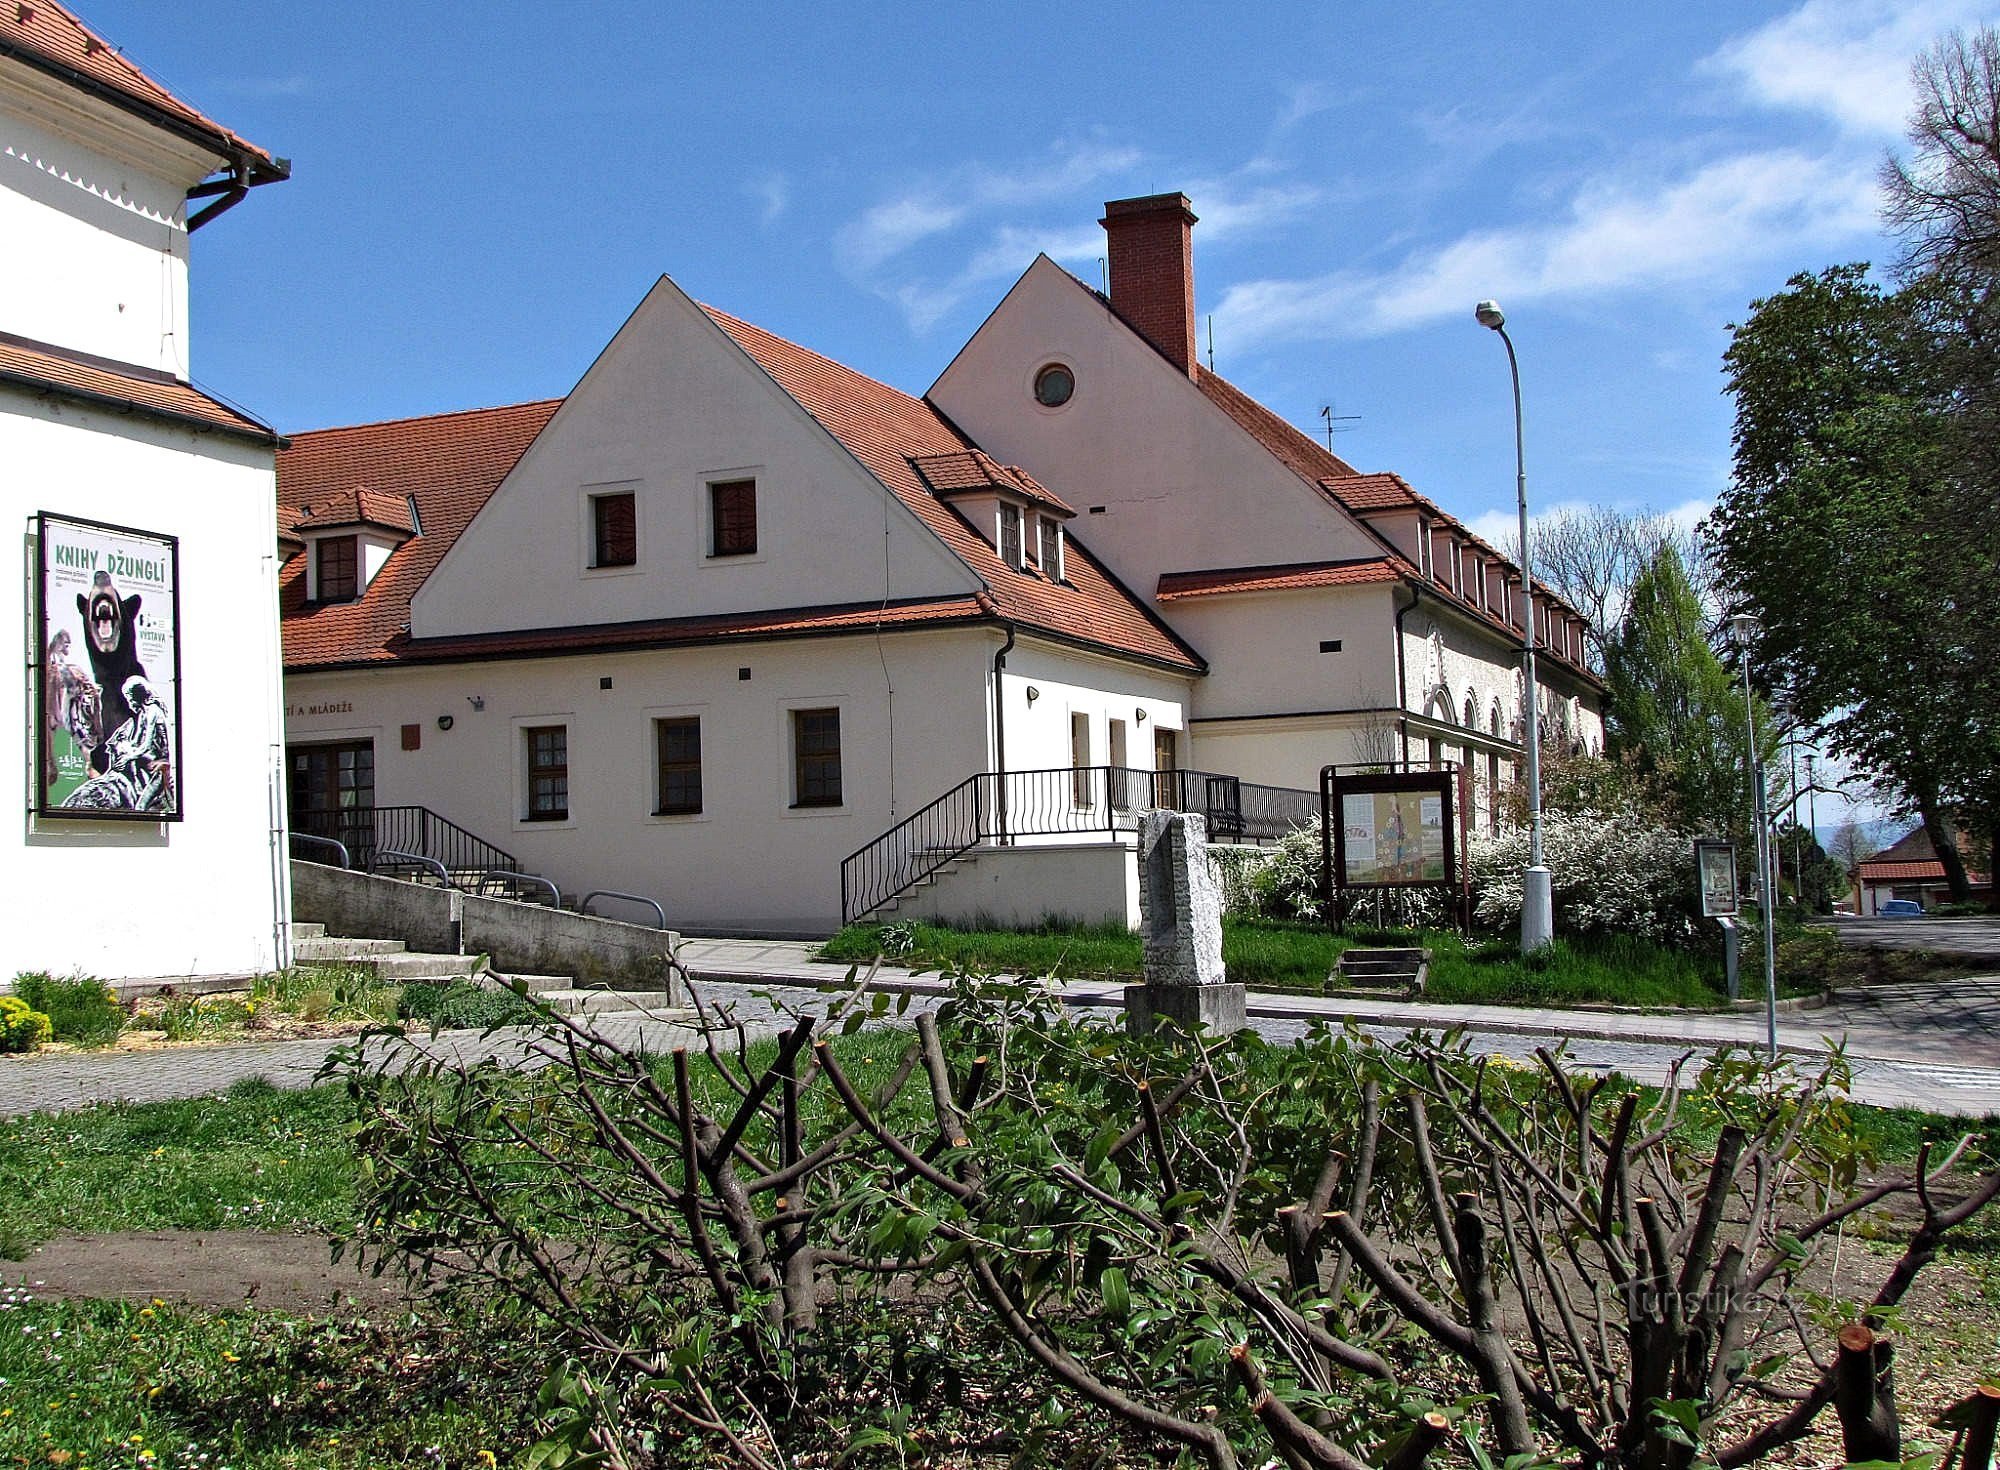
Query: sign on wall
point(108, 734)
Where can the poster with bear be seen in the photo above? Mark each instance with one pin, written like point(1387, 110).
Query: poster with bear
point(108, 708)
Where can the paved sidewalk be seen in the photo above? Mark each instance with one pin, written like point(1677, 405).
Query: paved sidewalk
point(1975, 937)
point(1936, 1047)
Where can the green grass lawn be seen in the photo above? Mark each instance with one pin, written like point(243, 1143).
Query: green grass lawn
point(1269, 954)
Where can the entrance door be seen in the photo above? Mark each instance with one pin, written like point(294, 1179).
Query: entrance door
point(1166, 767)
point(331, 793)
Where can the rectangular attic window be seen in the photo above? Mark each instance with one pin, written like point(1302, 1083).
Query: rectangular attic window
point(1010, 535)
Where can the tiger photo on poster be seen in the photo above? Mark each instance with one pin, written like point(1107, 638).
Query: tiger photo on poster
point(108, 733)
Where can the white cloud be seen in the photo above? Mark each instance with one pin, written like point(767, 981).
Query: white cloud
point(1848, 60)
point(1612, 237)
point(1226, 210)
point(773, 195)
point(1502, 528)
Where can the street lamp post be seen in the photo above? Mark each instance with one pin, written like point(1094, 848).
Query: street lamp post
point(1744, 627)
point(1537, 906)
point(1812, 809)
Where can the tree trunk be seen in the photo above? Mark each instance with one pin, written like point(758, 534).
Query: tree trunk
point(1945, 840)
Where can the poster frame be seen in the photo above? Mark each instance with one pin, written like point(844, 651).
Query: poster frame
point(1440, 783)
point(1702, 847)
point(171, 547)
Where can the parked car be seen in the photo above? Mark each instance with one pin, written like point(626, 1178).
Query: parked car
point(1899, 908)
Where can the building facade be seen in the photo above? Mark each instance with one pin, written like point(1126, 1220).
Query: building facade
point(729, 612)
point(149, 732)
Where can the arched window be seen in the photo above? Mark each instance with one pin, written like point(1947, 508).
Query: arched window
point(1471, 720)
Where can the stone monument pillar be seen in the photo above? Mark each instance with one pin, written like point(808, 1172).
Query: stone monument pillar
point(1180, 915)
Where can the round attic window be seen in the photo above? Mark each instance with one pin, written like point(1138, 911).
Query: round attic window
point(1053, 385)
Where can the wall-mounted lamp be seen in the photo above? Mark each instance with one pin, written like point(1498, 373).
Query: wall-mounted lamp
point(1033, 694)
point(1139, 716)
point(445, 722)
point(477, 701)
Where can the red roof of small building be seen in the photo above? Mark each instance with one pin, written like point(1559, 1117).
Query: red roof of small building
point(452, 463)
point(975, 469)
point(50, 37)
point(1913, 858)
point(42, 368)
point(359, 506)
point(1175, 586)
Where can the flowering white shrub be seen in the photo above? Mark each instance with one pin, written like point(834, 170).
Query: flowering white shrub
point(1612, 873)
point(1284, 883)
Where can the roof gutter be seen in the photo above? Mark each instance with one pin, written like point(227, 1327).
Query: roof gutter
point(258, 434)
point(265, 170)
point(1000, 730)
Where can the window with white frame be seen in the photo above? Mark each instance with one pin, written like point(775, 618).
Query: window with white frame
point(1049, 549)
point(677, 752)
point(816, 757)
point(546, 748)
point(1079, 757)
point(1010, 535)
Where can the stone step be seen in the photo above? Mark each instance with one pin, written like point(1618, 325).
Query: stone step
point(334, 948)
point(395, 967)
point(533, 984)
point(308, 931)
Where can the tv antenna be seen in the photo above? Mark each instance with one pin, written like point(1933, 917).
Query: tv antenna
point(1333, 421)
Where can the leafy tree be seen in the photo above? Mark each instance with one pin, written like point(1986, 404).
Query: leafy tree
point(1674, 713)
point(1844, 531)
point(1812, 877)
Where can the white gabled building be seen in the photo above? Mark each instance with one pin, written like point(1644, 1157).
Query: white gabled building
point(737, 629)
point(1344, 617)
point(148, 733)
point(698, 631)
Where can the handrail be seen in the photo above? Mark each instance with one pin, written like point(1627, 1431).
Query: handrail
point(506, 878)
point(1053, 802)
point(393, 858)
point(337, 846)
point(584, 907)
point(367, 830)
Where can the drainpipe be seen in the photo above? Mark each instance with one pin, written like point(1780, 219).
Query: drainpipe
point(1000, 732)
point(1402, 690)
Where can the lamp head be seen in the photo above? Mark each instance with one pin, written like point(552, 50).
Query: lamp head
point(1743, 628)
point(1490, 315)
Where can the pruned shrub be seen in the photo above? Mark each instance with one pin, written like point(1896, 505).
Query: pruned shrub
point(22, 1028)
point(461, 1005)
point(80, 1009)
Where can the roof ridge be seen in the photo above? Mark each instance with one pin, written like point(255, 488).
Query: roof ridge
point(421, 418)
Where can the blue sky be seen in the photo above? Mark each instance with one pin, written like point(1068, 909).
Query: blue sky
point(482, 192)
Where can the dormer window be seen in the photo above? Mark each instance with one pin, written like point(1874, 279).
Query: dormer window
point(1049, 548)
point(337, 569)
point(349, 538)
point(1010, 535)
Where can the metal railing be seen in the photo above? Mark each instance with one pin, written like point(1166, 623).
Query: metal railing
point(1080, 800)
point(327, 846)
point(510, 883)
point(370, 833)
point(597, 893)
point(389, 857)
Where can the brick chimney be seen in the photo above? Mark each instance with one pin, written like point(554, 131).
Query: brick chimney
point(1151, 253)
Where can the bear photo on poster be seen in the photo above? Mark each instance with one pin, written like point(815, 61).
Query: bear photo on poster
point(108, 705)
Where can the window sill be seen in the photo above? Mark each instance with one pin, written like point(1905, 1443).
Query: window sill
point(679, 814)
point(816, 809)
point(542, 819)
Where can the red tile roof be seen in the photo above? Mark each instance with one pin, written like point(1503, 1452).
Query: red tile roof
point(357, 507)
point(1913, 857)
point(1177, 585)
point(1359, 494)
point(48, 36)
point(885, 429)
point(48, 369)
point(975, 469)
point(451, 463)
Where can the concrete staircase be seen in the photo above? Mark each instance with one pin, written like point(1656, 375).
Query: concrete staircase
point(393, 961)
point(1374, 972)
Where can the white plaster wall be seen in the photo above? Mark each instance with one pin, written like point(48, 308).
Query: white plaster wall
point(1069, 682)
point(1018, 887)
point(1289, 752)
point(92, 207)
point(748, 862)
point(1264, 649)
point(1181, 484)
point(670, 406)
point(1449, 657)
point(206, 894)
